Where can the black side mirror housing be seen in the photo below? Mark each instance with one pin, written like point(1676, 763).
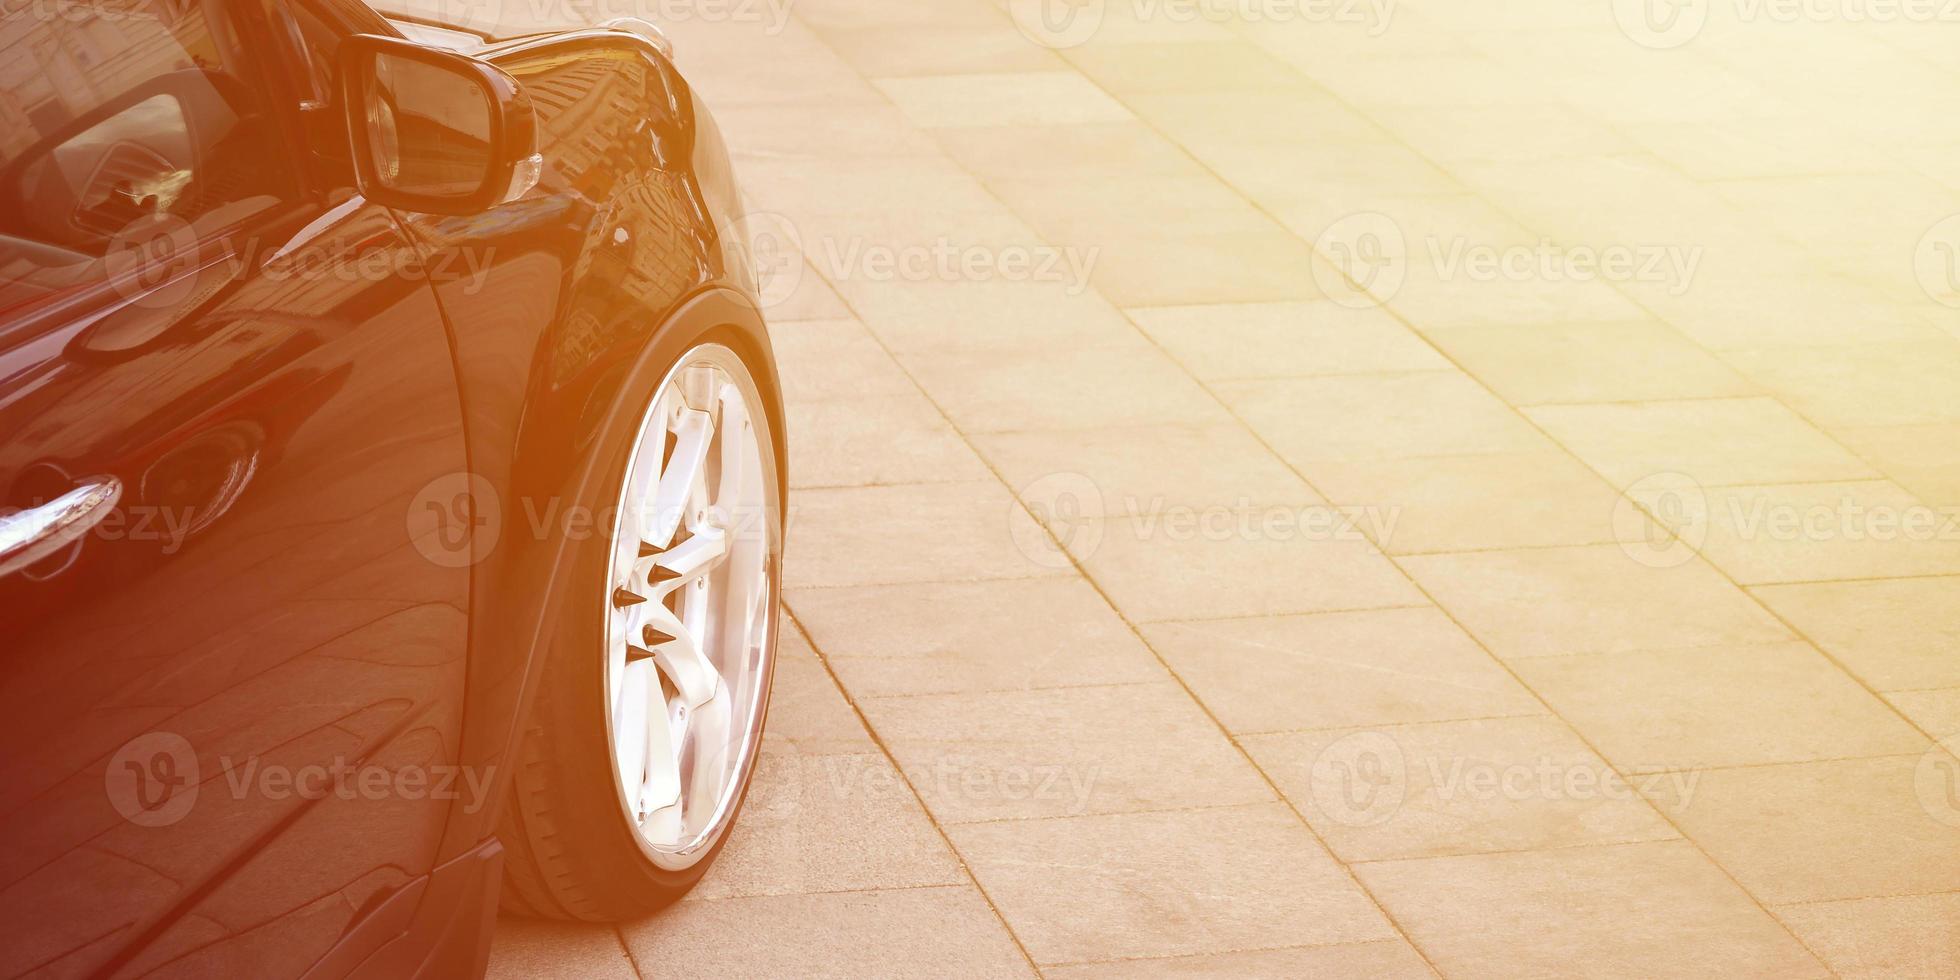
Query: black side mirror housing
point(434, 131)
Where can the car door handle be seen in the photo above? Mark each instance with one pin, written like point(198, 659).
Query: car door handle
point(29, 535)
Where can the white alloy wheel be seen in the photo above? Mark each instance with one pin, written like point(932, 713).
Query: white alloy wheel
point(690, 628)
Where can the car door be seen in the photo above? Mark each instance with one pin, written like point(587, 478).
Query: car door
point(233, 563)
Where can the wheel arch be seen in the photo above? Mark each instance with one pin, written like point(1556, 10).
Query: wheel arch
point(521, 597)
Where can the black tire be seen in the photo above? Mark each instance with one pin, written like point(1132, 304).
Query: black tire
point(569, 849)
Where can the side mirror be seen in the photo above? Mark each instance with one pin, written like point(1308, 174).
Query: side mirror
point(434, 131)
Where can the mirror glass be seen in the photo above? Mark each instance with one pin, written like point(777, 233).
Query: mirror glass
point(428, 127)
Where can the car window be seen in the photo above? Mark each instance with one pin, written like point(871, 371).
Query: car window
point(124, 122)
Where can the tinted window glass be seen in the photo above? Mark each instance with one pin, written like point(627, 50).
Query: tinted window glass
point(123, 122)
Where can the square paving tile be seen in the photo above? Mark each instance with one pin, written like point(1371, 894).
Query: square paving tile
point(1813, 532)
point(1477, 503)
point(1156, 471)
point(1062, 752)
point(828, 823)
point(1895, 635)
point(1550, 601)
point(1454, 787)
point(876, 439)
point(1270, 118)
point(1606, 362)
point(928, 532)
point(1646, 909)
point(963, 637)
point(1433, 295)
point(989, 316)
point(1384, 960)
point(900, 933)
point(1074, 152)
point(1184, 67)
point(807, 713)
point(1067, 389)
point(547, 950)
point(1387, 416)
point(1937, 713)
point(1813, 831)
point(1724, 706)
point(827, 359)
point(1865, 384)
point(1916, 936)
point(1242, 341)
point(1157, 266)
point(1338, 670)
point(1044, 98)
point(1276, 561)
point(1715, 442)
point(1166, 884)
point(1924, 459)
point(938, 49)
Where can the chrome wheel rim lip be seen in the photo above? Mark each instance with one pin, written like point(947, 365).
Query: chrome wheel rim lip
point(693, 584)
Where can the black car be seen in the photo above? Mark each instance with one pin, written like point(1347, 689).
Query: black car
point(391, 487)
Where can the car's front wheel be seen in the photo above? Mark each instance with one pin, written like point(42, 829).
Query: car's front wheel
point(651, 708)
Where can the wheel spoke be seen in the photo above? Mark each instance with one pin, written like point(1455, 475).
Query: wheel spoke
point(660, 791)
point(661, 637)
point(735, 436)
point(657, 575)
point(685, 472)
point(632, 709)
point(706, 752)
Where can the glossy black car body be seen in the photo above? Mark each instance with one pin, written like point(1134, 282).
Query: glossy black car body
point(339, 434)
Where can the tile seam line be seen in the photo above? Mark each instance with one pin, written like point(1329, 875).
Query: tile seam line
point(619, 939)
point(1114, 961)
point(867, 890)
point(1114, 814)
point(1863, 898)
point(1516, 851)
point(932, 818)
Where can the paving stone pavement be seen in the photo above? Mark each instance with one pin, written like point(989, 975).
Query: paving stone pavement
point(1295, 490)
